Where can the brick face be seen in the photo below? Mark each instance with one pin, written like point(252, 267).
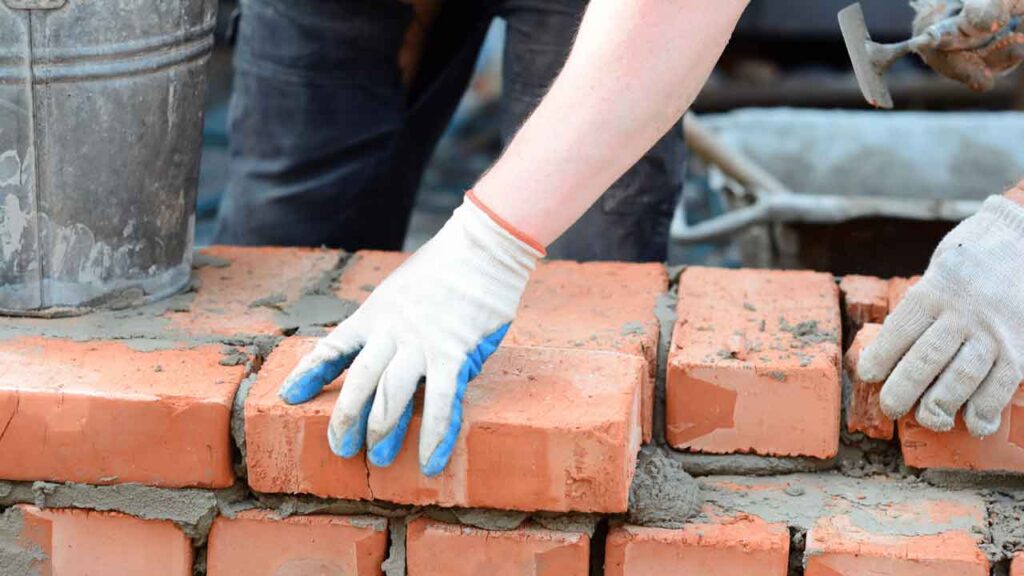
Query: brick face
point(286, 446)
point(1017, 566)
point(437, 549)
point(866, 299)
point(1002, 451)
point(744, 545)
point(84, 542)
point(564, 423)
point(754, 363)
point(255, 543)
point(601, 306)
point(103, 412)
point(863, 411)
point(837, 548)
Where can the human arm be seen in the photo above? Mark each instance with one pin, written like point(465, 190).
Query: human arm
point(636, 66)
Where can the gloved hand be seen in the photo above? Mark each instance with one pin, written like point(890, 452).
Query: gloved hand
point(441, 314)
point(959, 332)
point(986, 43)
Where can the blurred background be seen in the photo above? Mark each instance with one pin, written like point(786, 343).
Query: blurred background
point(784, 97)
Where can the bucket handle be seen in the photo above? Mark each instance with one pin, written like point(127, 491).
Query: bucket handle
point(34, 4)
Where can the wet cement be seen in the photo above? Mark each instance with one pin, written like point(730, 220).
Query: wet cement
point(395, 563)
point(237, 423)
point(1005, 524)
point(662, 493)
point(192, 509)
point(16, 555)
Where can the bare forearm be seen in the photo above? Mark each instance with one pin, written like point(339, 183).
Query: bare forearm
point(634, 69)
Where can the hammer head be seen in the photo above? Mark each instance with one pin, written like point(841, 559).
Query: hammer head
point(869, 64)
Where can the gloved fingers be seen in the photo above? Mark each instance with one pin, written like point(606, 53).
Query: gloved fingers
point(331, 356)
point(938, 408)
point(901, 329)
point(925, 360)
point(442, 407)
point(392, 405)
point(442, 414)
point(346, 431)
point(983, 414)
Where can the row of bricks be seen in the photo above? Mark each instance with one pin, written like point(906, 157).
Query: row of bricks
point(868, 302)
point(580, 361)
point(69, 541)
point(754, 367)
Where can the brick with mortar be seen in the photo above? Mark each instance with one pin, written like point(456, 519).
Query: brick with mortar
point(863, 412)
point(103, 412)
point(438, 549)
point(754, 363)
point(726, 547)
point(866, 299)
point(835, 547)
point(564, 423)
point(251, 291)
point(256, 543)
point(68, 541)
point(606, 306)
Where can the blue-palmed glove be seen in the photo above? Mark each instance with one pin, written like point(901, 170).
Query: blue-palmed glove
point(440, 315)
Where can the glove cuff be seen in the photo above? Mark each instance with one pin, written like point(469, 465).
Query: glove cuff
point(506, 225)
point(1006, 211)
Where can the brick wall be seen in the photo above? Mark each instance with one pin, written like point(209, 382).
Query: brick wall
point(151, 441)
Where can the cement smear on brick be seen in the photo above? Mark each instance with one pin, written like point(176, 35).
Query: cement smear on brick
point(876, 505)
point(237, 424)
point(665, 312)
point(662, 493)
point(17, 557)
point(317, 305)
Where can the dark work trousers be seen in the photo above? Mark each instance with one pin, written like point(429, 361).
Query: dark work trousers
point(328, 146)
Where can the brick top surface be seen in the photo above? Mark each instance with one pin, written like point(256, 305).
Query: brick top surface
point(779, 319)
point(113, 368)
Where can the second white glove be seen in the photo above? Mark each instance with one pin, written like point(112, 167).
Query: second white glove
point(957, 338)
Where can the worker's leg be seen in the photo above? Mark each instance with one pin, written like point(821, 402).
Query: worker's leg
point(631, 221)
point(327, 143)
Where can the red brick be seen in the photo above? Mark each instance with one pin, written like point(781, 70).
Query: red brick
point(863, 411)
point(1017, 566)
point(255, 543)
point(438, 549)
point(564, 423)
point(227, 301)
point(1002, 451)
point(836, 547)
point(102, 412)
point(593, 306)
point(740, 379)
point(742, 545)
point(86, 542)
point(898, 288)
point(286, 446)
point(866, 299)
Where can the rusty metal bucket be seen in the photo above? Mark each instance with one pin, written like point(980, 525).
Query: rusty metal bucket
point(101, 110)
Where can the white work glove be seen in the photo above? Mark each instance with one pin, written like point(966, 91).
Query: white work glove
point(439, 315)
point(960, 330)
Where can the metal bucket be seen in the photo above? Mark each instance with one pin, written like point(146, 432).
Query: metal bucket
point(101, 110)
